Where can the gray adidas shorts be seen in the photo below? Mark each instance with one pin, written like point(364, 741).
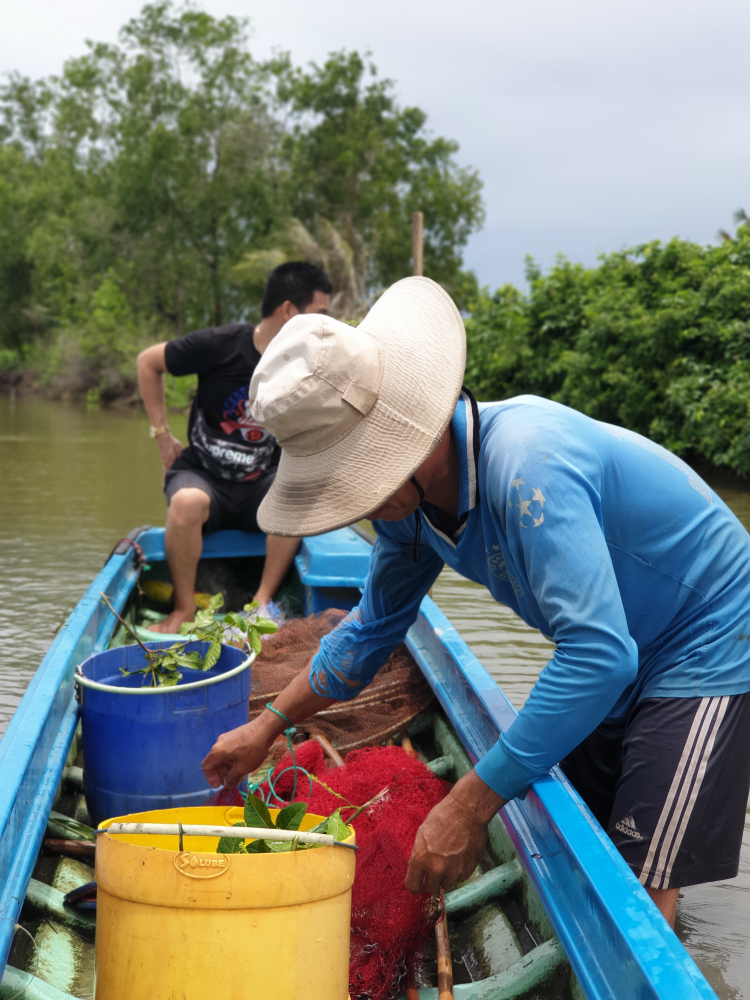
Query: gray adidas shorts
point(670, 786)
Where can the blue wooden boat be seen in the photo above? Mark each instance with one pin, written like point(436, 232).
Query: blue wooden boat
point(555, 894)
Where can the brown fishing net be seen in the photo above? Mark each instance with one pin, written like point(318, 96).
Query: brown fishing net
point(396, 696)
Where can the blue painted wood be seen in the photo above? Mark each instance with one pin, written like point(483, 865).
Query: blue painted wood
point(337, 559)
point(219, 545)
point(35, 745)
point(617, 941)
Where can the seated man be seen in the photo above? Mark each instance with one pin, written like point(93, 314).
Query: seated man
point(219, 480)
point(593, 534)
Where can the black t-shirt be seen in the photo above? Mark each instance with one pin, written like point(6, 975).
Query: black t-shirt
point(225, 439)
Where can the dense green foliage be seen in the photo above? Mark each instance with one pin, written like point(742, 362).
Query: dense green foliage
point(132, 185)
point(656, 339)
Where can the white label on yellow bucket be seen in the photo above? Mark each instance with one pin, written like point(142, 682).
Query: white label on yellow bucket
point(201, 865)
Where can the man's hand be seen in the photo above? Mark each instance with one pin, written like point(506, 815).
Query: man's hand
point(170, 449)
point(239, 752)
point(451, 840)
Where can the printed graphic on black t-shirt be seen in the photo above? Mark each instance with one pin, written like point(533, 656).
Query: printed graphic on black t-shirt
point(225, 438)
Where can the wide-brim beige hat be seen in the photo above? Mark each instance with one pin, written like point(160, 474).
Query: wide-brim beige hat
point(356, 410)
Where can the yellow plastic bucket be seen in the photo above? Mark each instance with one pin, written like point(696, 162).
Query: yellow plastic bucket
point(196, 925)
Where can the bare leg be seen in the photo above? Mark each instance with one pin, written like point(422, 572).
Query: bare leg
point(280, 551)
point(666, 900)
point(183, 541)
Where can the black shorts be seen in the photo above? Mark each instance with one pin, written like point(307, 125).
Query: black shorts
point(233, 504)
point(670, 786)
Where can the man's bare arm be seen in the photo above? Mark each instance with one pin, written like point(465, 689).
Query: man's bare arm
point(241, 751)
point(151, 369)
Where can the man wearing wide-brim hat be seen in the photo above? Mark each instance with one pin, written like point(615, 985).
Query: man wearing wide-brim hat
point(595, 535)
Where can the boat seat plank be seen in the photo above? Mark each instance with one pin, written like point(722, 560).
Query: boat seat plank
point(490, 886)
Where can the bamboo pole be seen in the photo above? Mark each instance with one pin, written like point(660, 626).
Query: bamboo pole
point(236, 832)
point(329, 750)
point(444, 961)
point(417, 242)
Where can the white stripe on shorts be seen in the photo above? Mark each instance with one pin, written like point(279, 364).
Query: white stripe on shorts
point(680, 801)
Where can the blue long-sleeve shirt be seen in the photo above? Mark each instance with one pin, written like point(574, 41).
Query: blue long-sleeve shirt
point(603, 540)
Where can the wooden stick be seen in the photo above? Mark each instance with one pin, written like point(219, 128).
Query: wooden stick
point(406, 746)
point(71, 848)
point(444, 961)
point(149, 652)
point(329, 750)
point(127, 627)
point(417, 241)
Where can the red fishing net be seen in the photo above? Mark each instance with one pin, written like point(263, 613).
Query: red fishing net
point(395, 697)
point(389, 924)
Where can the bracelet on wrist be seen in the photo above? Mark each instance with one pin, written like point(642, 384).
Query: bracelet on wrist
point(156, 432)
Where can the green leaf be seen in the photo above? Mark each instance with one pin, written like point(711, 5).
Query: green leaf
point(204, 619)
point(258, 847)
point(255, 641)
point(280, 846)
point(169, 680)
point(334, 826)
point(213, 654)
point(232, 845)
point(265, 626)
point(257, 814)
point(234, 620)
point(291, 816)
point(194, 660)
point(251, 607)
point(216, 602)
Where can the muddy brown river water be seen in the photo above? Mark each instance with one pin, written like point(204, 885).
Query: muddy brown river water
point(73, 480)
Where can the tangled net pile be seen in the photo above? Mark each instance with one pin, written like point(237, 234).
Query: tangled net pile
point(389, 924)
point(397, 695)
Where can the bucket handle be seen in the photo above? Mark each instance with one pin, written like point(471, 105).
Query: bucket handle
point(84, 681)
point(236, 832)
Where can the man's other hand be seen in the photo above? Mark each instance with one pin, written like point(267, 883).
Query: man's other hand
point(235, 754)
point(170, 449)
point(451, 840)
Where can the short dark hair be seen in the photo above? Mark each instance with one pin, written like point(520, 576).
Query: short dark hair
point(295, 282)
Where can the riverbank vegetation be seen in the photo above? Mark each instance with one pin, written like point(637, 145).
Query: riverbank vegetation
point(655, 338)
point(149, 189)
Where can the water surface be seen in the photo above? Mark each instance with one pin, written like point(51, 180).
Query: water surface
point(75, 480)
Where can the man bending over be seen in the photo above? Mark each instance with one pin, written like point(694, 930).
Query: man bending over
point(595, 535)
point(219, 480)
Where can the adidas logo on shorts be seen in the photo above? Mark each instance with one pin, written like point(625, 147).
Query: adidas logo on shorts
point(627, 826)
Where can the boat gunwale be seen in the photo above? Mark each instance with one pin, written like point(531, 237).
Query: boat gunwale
point(34, 748)
point(610, 928)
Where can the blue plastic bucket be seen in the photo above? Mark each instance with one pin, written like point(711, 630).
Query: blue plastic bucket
point(143, 746)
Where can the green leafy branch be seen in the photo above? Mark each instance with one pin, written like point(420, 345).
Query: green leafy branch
point(164, 666)
point(258, 815)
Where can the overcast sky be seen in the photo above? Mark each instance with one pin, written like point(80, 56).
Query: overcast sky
point(594, 125)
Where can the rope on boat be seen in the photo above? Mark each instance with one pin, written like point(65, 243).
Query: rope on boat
point(237, 832)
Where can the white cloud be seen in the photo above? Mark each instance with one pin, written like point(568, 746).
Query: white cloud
point(594, 125)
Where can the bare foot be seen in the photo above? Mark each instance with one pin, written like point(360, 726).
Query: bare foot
point(171, 624)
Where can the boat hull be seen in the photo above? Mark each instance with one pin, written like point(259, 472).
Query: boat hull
point(615, 939)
